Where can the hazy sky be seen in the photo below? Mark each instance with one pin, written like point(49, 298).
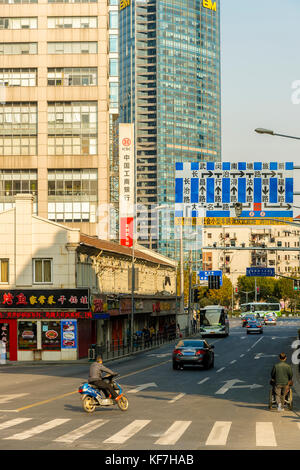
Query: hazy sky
point(260, 50)
point(260, 62)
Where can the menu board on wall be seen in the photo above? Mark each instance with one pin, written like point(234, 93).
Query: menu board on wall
point(68, 334)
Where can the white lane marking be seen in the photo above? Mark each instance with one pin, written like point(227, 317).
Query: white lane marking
point(242, 355)
point(142, 387)
point(13, 422)
point(171, 436)
point(203, 381)
point(265, 436)
point(232, 362)
point(127, 432)
point(177, 398)
point(6, 398)
point(220, 370)
point(81, 431)
point(219, 434)
point(38, 429)
point(253, 345)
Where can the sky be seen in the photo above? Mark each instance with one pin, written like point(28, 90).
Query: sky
point(260, 63)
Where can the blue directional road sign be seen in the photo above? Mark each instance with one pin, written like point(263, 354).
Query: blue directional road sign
point(211, 189)
point(260, 272)
point(203, 275)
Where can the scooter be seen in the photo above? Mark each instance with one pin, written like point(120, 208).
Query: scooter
point(91, 396)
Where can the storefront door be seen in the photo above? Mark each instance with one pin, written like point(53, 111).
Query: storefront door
point(117, 333)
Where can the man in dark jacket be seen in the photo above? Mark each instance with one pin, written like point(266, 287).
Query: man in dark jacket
point(96, 377)
point(281, 375)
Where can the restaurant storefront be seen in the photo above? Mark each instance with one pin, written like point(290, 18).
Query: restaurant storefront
point(49, 333)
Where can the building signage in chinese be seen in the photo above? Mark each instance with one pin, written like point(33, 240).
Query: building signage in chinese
point(46, 315)
point(126, 183)
point(77, 299)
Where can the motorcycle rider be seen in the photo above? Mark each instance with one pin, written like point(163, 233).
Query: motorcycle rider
point(96, 377)
point(281, 378)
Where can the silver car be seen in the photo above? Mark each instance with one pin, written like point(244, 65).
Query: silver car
point(254, 326)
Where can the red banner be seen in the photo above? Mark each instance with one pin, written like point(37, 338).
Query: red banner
point(126, 231)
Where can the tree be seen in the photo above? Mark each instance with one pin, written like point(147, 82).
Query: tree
point(222, 296)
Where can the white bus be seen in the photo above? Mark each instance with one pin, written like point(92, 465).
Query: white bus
point(214, 321)
point(261, 308)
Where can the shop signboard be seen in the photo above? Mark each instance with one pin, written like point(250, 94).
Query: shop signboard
point(50, 299)
point(44, 315)
point(68, 334)
point(126, 183)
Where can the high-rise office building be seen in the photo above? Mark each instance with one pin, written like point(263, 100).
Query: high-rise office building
point(54, 108)
point(170, 88)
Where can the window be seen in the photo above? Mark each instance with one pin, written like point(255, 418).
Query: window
point(4, 270)
point(72, 47)
point(113, 67)
point(113, 43)
point(18, 23)
point(18, 128)
point(72, 76)
point(72, 22)
point(72, 128)
point(27, 335)
point(113, 94)
point(51, 335)
point(42, 271)
point(14, 48)
point(72, 1)
point(13, 182)
point(18, 77)
point(72, 195)
point(17, 1)
point(113, 20)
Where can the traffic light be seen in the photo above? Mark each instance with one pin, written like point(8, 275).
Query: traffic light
point(236, 290)
point(296, 284)
point(196, 296)
point(214, 282)
point(258, 290)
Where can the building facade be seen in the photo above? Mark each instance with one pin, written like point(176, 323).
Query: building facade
point(170, 88)
point(54, 110)
point(234, 263)
point(43, 315)
point(62, 291)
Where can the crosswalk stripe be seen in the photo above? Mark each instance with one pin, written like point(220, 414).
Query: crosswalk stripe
point(127, 432)
point(82, 431)
point(219, 434)
point(13, 422)
point(37, 429)
point(174, 432)
point(265, 436)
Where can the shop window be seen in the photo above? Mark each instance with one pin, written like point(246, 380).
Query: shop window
point(42, 271)
point(51, 335)
point(27, 335)
point(4, 270)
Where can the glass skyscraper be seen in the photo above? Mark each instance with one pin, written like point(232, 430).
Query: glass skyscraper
point(170, 88)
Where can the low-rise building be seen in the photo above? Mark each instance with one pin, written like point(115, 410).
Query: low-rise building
point(234, 263)
point(62, 291)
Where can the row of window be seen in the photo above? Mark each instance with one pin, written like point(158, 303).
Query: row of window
point(74, 47)
point(17, 2)
point(76, 22)
point(57, 76)
point(42, 270)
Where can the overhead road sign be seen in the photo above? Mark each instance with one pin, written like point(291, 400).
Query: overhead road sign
point(260, 272)
point(204, 275)
point(212, 189)
point(229, 221)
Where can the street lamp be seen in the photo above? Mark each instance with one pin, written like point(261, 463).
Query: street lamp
point(260, 130)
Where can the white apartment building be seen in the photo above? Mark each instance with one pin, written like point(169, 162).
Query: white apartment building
point(234, 263)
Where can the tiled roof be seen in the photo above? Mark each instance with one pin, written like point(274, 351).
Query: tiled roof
point(113, 247)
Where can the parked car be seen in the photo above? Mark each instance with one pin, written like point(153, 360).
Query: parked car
point(193, 352)
point(254, 326)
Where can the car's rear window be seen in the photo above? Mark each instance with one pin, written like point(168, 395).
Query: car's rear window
point(190, 344)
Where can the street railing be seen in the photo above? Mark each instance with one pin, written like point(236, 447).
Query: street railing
point(122, 347)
